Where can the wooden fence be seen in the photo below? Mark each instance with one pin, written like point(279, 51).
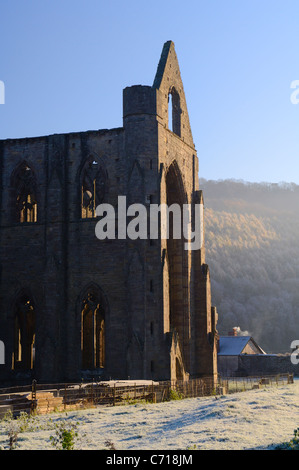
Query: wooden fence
point(43, 398)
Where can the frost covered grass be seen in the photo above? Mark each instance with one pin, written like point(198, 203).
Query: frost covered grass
point(256, 419)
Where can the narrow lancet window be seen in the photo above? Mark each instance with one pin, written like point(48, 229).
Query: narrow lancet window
point(92, 332)
point(24, 335)
point(174, 112)
point(93, 185)
point(26, 199)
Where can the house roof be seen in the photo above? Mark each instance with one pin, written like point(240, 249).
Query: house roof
point(234, 345)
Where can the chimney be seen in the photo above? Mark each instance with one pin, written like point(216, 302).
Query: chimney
point(233, 332)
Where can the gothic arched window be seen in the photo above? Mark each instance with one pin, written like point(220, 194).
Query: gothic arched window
point(92, 331)
point(24, 334)
point(93, 187)
point(177, 257)
point(25, 194)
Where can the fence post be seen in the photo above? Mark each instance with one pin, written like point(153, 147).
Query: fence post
point(92, 400)
point(33, 396)
point(64, 396)
point(114, 395)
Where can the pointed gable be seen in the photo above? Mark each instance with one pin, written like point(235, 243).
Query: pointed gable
point(168, 81)
point(236, 345)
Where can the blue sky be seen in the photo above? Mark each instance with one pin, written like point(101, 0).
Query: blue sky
point(65, 63)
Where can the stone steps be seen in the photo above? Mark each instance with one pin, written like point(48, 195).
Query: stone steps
point(47, 404)
point(17, 403)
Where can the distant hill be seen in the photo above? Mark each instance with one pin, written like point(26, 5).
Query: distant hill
point(252, 248)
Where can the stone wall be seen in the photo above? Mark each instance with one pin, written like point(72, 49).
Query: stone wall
point(256, 365)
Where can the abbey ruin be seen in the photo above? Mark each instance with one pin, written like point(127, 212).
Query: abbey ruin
point(73, 306)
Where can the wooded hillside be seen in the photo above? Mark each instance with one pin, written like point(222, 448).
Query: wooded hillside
point(252, 248)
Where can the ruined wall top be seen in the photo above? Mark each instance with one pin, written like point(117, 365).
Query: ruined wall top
point(169, 82)
point(155, 100)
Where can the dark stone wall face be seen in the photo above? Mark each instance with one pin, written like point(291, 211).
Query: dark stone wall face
point(57, 261)
point(54, 259)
